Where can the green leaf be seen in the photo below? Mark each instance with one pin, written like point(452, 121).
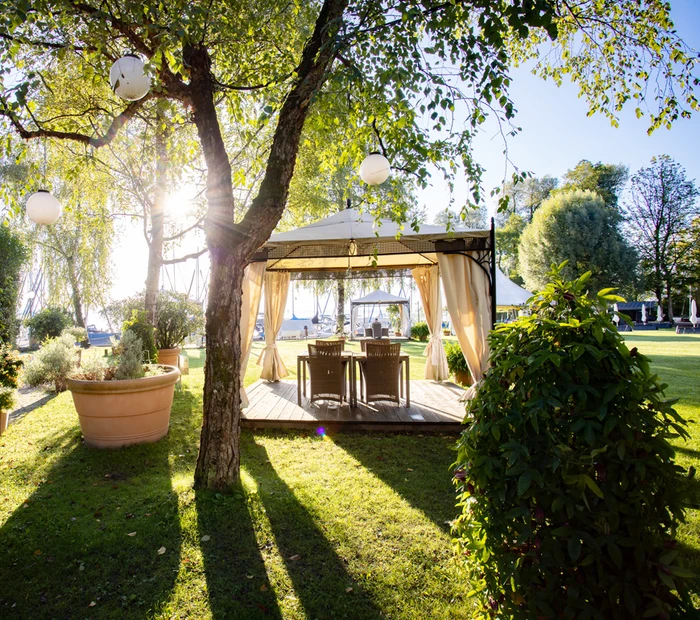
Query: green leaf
point(593, 486)
point(574, 548)
point(524, 483)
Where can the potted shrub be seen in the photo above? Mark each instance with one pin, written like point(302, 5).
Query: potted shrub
point(10, 365)
point(124, 403)
point(457, 363)
point(178, 316)
point(420, 331)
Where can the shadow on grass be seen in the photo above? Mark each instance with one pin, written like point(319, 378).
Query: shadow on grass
point(18, 414)
point(87, 541)
point(428, 487)
point(318, 574)
point(237, 583)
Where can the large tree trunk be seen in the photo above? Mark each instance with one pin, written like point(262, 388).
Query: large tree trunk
point(670, 300)
point(340, 310)
point(232, 245)
point(157, 214)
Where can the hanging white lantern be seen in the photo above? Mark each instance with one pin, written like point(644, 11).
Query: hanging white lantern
point(375, 169)
point(128, 78)
point(43, 207)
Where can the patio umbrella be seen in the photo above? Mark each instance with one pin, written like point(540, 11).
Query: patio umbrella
point(693, 313)
point(616, 318)
point(659, 314)
point(644, 313)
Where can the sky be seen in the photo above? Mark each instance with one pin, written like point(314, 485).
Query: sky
point(556, 134)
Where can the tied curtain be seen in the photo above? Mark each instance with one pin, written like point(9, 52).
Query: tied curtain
point(276, 287)
point(252, 289)
point(469, 303)
point(428, 281)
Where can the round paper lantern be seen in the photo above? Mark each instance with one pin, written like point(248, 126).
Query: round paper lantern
point(43, 208)
point(128, 78)
point(375, 169)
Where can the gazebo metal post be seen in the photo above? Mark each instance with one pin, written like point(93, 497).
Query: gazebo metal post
point(492, 237)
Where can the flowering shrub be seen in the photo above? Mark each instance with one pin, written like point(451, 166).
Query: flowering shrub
point(569, 494)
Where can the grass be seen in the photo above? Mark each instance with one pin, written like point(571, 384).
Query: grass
point(349, 526)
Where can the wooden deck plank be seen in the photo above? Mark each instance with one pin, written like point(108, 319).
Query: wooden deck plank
point(433, 406)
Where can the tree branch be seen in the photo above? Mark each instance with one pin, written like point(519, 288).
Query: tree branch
point(182, 259)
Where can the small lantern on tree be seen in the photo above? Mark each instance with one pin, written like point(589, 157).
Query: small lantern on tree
point(43, 207)
point(375, 169)
point(129, 79)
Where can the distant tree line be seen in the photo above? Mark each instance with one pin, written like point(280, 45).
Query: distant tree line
point(645, 240)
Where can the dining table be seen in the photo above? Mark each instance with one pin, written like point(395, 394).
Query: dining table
point(354, 358)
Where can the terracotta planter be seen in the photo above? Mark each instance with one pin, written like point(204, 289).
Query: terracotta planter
point(121, 413)
point(463, 377)
point(168, 357)
point(4, 416)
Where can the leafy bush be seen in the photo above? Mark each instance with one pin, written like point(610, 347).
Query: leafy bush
point(178, 316)
point(142, 328)
point(569, 493)
point(394, 315)
point(52, 363)
point(130, 365)
point(455, 358)
point(420, 331)
point(10, 365)
point(13, 255)
point(49, 323)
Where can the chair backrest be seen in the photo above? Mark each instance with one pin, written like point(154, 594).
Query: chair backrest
point(326, 348)
point(321, 344)
point(383, 349)
point(377, 329)
point(368, 332)
point(326, 374)
point(381, 343)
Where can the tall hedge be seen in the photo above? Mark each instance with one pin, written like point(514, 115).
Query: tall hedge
point(569, 493)
point(13, 253)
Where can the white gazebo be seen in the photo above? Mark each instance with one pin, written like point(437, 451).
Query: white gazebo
point(350, 244)
point(380, 298)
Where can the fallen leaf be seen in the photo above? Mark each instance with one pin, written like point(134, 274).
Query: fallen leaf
point(249, 576)
point(206, 538)
point(37, 552)
point(348, 590)
point(263, 588)
point(131, 534)
point(295, 557)
point(148, 514)
point(92, 604)
point(408, 469)
point(161, 551)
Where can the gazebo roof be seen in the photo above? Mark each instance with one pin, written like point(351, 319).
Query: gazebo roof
point(508, 293)
point(379, 297)
point(353, 240)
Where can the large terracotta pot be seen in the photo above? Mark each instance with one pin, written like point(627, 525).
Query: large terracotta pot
point(121, 413)
point(168, 357)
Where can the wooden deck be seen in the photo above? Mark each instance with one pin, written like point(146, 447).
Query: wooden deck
point(434, 407)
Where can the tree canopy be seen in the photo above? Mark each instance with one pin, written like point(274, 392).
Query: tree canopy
point(607, 180)
point(662, 203)
point(576, 226)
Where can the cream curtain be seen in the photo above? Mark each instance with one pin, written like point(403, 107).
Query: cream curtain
point(428, 281)
point(405, 320)
point(252, 289)
point(276, 287)
point(469, 304)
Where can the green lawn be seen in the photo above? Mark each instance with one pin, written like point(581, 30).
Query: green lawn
point(349, 526)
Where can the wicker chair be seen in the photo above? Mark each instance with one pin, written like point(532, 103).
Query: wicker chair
point(326, 373)
point(331, 343)
point(380, 342)
point(380, 371)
